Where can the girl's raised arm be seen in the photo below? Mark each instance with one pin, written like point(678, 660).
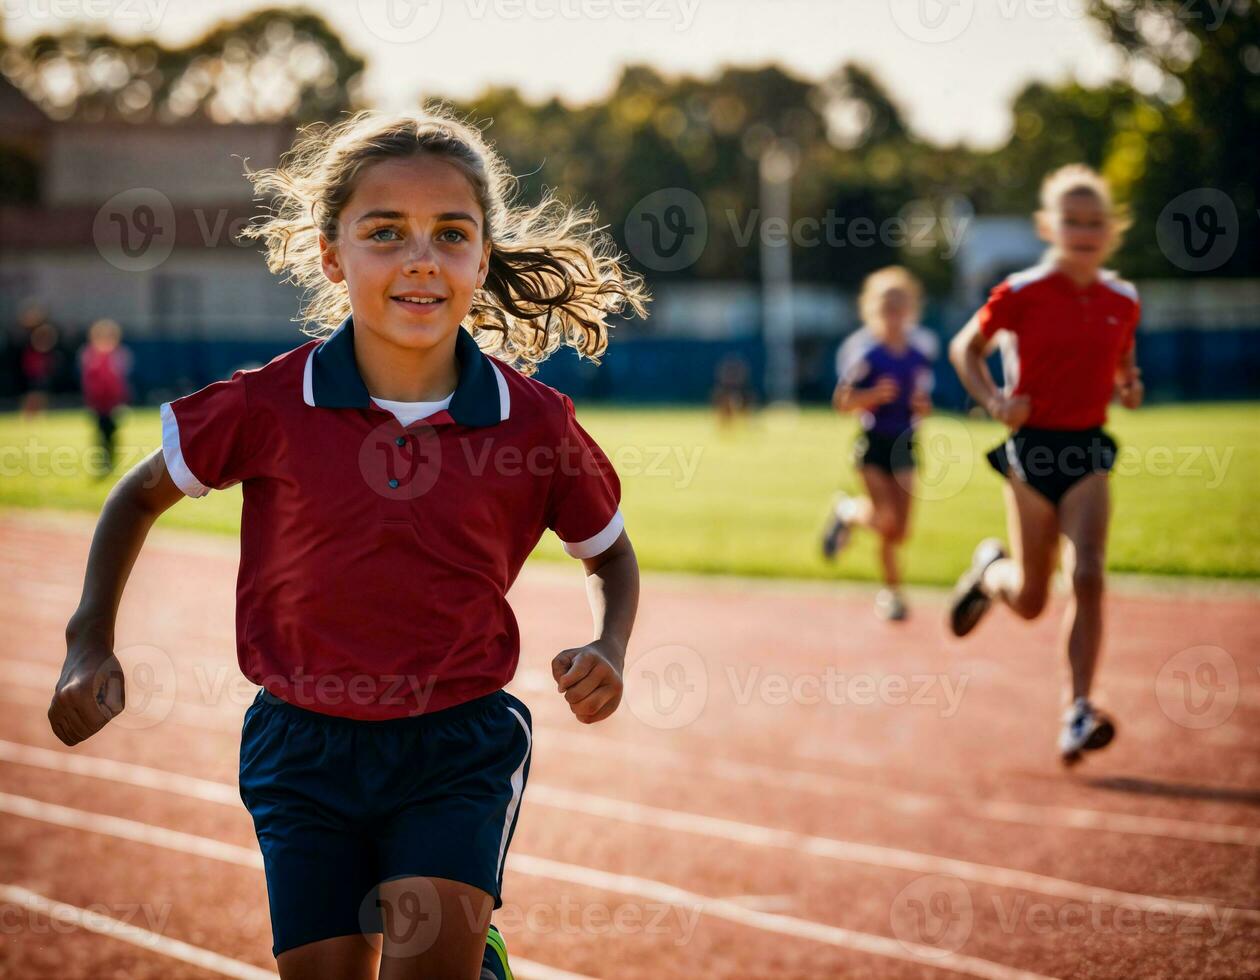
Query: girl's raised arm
point(90, 690)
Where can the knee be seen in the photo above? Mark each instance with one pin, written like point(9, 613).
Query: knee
point(1087, 575)
point(896, 532)
point(885, 524)
point(1031, 600)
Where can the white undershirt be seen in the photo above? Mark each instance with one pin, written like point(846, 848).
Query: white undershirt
point(408, 412)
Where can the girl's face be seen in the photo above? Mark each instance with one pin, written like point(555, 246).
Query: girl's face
point(893, 311)
point(1080, 230)
point(411, 230)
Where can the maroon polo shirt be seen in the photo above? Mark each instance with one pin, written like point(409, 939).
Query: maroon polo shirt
point(376, 558)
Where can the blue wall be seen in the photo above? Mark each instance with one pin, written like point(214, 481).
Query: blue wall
point(1177, 365)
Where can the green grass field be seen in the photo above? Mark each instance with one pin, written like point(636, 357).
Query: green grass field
point(750, 500)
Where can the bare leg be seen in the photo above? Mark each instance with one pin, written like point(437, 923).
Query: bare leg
point(1084, 512)
point(340, 958)
point(434, 928)
point(1023, 580)
point(884, 514)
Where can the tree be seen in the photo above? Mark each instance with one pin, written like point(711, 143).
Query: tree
point(272, 65)
point(1197, 62)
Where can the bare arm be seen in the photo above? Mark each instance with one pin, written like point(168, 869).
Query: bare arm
point(848, 398)
point(967, 352)
point(1129, 385)
point(589, 677)
point(90, 690)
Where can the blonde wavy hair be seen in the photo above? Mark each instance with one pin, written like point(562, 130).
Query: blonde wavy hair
point(1078, 178)
point(554, 275)
point(875, 285)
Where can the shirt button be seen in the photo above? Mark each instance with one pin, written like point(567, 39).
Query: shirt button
point(393, 484)
point(400, 441)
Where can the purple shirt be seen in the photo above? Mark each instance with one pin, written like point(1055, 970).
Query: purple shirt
point(862, 361)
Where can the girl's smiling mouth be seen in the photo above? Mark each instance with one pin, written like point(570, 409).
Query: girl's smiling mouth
point(418, 302)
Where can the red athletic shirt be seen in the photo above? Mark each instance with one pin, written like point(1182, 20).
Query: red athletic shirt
point(1061, 343)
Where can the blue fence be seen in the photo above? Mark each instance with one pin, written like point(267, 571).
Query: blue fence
point(1177, 365)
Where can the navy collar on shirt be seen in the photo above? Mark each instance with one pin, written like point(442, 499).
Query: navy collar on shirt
point(332, 379)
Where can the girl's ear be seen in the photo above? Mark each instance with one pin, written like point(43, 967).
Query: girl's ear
point(484, 267)
point(1044, 220)
point(330, 261)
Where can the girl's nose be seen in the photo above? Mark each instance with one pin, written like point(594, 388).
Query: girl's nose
point(421, 260)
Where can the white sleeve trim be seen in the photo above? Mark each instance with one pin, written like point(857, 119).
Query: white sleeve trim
point(505, 397)
point(174, 456)
point(599, 543)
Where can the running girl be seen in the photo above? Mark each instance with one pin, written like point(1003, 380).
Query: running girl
point(396, 473)
point(103, 368)
point(1066, 329)
point(884, 373)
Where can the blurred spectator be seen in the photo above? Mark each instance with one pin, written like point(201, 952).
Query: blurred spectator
point(104, 365)
point(38, 359)
point(732, 393)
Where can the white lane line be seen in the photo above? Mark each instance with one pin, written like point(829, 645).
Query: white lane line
point(206, 959)
point(769, 921)
point(554, 870)
point(107, 926)
point(132, 830)
point(913, 802)
point(80, 764)
point(872, 854)
point(529, 970)
point(680, 821)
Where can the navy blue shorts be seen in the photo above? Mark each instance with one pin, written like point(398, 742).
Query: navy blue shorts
point(341, 805)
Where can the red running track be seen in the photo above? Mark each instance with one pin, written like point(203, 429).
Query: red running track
point(792, 789)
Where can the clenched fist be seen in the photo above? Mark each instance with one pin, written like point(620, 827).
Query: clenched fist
point(89, 693)
point(589, 677)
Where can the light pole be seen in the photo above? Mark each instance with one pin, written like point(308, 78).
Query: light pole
point(776, 166)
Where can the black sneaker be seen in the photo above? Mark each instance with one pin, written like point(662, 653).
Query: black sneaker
point(836, 533)
point(970, 602)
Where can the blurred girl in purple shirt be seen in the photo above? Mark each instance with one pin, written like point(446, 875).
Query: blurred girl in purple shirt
point(884, 375)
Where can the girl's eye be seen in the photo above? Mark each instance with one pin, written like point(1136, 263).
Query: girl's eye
point(460, 236)
point(382, 231)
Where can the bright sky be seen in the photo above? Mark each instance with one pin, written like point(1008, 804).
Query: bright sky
point(953, 65)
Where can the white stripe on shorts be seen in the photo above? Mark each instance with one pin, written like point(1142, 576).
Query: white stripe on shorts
point(518, 787)
point(1012, 460)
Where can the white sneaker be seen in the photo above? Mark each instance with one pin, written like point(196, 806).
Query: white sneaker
point(1085, 729)
point(889, 605)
